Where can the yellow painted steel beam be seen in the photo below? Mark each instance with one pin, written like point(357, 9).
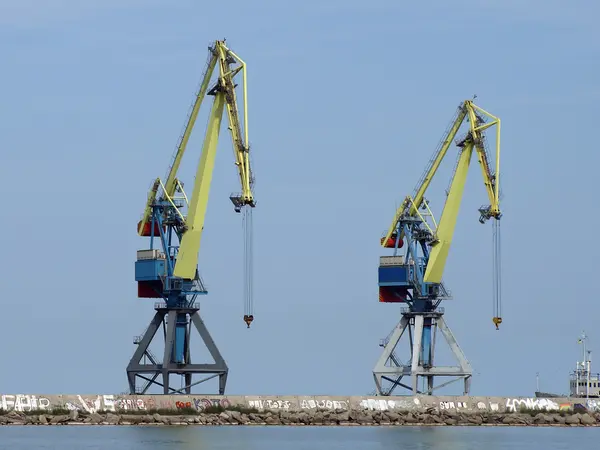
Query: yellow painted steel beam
point(148, 208)
point(445, 230)
point(438, 160)
point(224, 97)
point(170, 184)
point(490, 179)
point(418, 199)
point(239, 140)
point(187, 258)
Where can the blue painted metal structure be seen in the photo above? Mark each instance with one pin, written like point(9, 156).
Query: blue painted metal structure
point(177, 313)
point(403, 282)
point(155, 276)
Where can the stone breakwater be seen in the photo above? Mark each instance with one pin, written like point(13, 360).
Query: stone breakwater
point(299, 418)
point(313, 410)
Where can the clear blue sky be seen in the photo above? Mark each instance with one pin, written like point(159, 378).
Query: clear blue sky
point(347, 100)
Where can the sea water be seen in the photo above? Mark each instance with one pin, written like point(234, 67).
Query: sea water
point(81, 437)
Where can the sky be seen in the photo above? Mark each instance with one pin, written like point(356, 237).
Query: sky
point(347, 102)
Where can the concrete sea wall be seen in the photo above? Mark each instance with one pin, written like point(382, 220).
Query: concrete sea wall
point(139, 403)
point(39, 409)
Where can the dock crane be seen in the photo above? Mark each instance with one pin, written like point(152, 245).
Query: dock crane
point(171, 272)
point(415, 277)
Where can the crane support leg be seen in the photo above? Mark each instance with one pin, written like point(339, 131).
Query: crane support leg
point(422, 331)
point(457, 352)
point(445, 230)
point(389, 345)
point(168, 319)
point(416, 351)
point(187, 260)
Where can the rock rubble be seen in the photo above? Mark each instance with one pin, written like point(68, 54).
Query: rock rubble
point(327, 418)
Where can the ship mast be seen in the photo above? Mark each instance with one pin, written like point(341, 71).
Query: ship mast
point(585, 370)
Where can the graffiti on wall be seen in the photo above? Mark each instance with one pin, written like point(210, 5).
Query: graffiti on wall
point(324, 404)
point(156, 402)
point(202, 403)
point(92, 405)
point(130, 404)
point(482, 406)
point(593, 405)
point(114, 403)
point(269, 404)
point(385, 405)
point(515, 404)
point(22, 402)
point(456, 405)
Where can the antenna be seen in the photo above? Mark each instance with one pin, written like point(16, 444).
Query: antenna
point(585, 365)
point(582, 340)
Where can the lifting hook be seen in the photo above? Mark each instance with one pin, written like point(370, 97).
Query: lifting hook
point(497, 321)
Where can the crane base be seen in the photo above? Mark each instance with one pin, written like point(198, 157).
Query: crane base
point(165, 318)
point(422, 330)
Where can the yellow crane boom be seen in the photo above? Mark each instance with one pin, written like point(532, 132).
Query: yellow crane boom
point(229, 65)
point(474, 141)
point(445, 229)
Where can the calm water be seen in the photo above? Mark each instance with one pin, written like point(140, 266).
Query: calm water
point(296, 438)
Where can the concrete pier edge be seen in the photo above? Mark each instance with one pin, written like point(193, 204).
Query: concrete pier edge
point(420, 403)
point(300, 410)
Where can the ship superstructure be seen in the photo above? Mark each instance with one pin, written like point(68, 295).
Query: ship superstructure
point(584, 383)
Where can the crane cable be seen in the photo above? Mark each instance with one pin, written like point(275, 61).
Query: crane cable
point(248, 264)
point(497, 275)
